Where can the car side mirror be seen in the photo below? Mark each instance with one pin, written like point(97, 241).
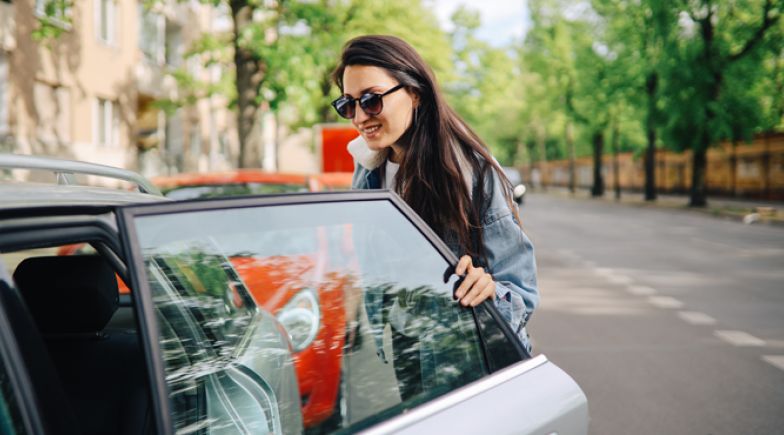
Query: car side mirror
point(518, 193)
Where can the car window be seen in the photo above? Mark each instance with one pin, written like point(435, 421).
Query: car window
point(355, 291)
point(11, 421)
point(233, 189)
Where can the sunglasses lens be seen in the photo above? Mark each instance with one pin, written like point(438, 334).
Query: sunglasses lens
point(371, 104)
point(344, 107)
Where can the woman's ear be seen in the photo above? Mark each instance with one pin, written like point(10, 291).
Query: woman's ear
point(414, 99)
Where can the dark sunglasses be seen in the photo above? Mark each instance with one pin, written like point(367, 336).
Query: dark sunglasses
point(371, 103)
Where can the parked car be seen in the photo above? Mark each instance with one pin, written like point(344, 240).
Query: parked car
point(78, 358)
point(248, 182)
point(518, 187)
point(313, 314)
point(189, 349)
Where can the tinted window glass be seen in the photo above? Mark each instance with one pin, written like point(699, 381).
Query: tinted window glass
point(352, 322)
point(10, 417)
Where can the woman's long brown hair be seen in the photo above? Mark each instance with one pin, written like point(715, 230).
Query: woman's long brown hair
point(430, 179)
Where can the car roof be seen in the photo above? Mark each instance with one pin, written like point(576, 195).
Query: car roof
point(229, 177)
point(35, 195)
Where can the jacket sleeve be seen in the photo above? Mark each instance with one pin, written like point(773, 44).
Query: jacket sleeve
point(510, 260)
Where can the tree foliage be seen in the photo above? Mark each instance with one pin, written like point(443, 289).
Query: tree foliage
point(691, 73)
point(642, 74)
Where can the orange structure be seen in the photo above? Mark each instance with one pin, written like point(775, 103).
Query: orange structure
point(332, 140)
point(754, 170)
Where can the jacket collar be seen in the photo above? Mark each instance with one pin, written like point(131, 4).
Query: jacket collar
point(364, 156)
point(372, 160)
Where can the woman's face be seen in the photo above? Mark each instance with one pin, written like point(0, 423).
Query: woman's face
point(382, 130)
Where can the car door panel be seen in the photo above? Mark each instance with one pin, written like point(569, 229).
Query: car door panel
point(406, 336)
point(530, 397)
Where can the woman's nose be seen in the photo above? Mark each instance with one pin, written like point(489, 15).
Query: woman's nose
point(359, 115)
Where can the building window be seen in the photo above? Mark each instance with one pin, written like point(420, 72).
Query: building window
point(195, 142)
point(53, 110)
point(173, 142)
point(58, 12)
point(107, 124)
point(3, 94)
point(173, 45)
point(105, 14)
point(152, 35)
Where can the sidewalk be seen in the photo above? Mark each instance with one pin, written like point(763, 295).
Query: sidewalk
point(747, 211)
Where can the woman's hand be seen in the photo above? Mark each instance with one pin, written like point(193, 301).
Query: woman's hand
point(477, 284)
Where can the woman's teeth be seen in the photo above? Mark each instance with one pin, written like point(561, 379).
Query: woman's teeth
point(372, 129)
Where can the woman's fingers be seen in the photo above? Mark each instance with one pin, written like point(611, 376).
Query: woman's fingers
point(474, 273)
point(463, 265)
point(477, 284)
point(475, 294)
point(487, 293)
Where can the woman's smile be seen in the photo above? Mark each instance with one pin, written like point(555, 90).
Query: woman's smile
point(371, 131)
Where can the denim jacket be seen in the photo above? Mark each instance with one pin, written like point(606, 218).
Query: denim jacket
point(510, 254)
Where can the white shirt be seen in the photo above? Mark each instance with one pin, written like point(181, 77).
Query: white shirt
point(390, 170)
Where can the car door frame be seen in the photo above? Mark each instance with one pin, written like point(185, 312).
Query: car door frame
point(142, 296)
point(52, 228)
point(19, 377)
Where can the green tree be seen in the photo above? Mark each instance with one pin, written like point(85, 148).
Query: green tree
point(548, 56)
point(486, 89)
point(641, 35)
point(718, 42)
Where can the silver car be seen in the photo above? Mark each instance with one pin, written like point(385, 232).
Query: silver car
point(412, 359)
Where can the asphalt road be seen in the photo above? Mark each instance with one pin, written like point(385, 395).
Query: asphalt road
point(671, 321)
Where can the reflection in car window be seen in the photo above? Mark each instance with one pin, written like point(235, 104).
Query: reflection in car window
point(10, 417)
point(365, 319)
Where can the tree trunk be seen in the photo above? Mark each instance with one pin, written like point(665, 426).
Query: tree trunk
point(651, 84)
point(734, 168)
point(570, 147)
point(542, 152)
point(250, 73)
point(327, 113)
point(699, 195)
point(598, 152)
point(616, 168)
point(699, 185)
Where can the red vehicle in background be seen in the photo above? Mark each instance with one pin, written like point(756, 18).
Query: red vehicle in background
point(248, 182)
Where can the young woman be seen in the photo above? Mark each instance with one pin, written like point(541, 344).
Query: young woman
point(413, 143)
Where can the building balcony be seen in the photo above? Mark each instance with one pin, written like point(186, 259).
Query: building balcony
point(152, 79)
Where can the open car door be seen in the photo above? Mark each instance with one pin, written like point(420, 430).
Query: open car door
point(238, 294)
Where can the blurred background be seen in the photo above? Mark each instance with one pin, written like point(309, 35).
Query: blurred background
point(606, 95)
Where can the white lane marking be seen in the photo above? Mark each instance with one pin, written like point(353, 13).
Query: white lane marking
point(739, 338)
point(696, 318)
point(665, 302)
point(776, 360)
point(612, 276)
point(641, 290)
point(619, 279)
point(604, 271)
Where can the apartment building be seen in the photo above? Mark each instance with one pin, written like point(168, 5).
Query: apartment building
point(90, 93)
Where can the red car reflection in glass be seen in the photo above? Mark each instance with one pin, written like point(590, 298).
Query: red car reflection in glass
point(298, 288)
